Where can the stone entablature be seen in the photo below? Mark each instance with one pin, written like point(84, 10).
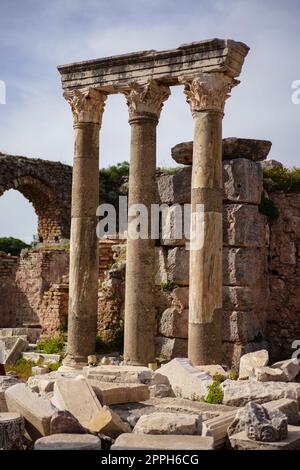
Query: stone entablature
point(115, 74)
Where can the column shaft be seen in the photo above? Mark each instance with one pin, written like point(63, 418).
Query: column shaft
point(139, 347)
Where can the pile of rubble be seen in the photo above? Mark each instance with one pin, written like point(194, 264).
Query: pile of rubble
point(131, 407)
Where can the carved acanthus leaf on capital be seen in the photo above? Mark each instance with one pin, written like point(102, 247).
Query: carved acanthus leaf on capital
point(146, 99)
point(208, 91)
point(87, 105)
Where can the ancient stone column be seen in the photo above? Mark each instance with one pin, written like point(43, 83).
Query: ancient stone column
point(206, 95)
point(87, 107)
point(145, 104)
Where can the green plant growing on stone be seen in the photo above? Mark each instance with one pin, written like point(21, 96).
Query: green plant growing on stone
point(286, 179)
point(232, 374)
point(52, 345)
point(22, 368)
point(54, 366)
point(215, 393)
point(268, 208)
point(168, 286)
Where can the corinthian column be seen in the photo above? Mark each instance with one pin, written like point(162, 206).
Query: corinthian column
point(206, 95)
point(145, 104)
point(87, 107)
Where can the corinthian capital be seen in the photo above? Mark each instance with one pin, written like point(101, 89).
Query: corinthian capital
point(208, 91)
point(146, 99)
point(87, 105)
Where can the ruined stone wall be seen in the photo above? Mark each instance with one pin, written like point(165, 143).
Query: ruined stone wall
point(8, 289)
point(36, 273)
point(283, 309)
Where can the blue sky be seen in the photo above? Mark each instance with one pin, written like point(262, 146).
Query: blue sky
point(36, 36)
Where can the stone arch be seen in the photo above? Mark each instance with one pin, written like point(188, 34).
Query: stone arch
point(47, 185)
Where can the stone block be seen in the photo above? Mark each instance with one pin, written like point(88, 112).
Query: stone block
point(113, 393)
point(212, 370)
point(288, 407)
point(77, 397)
point(178, 266)
point(244, 266)
point(6, 381)
point(173, 232)
point(240, 392)
point(41, 357)
point(251, 361)
point(242, 326)
point(269, 374)
point(68, 442)
point(40, 370)
point(239, 298)
point(63, 422)
point(168, 348)
point(180, 297)
point(9, 341)
point(16, 351)
point(169, 423)
point(217, 428)
point(243, 181)
point(162, 442)
point(186, 381)
point(290, 367)
point(36, 410)
point(232, 352)
point(119, 374)
point(107, 422)
point(243, 226)
point(160, 391)
point(174, 323)
point(175, 188)
point(240, 441)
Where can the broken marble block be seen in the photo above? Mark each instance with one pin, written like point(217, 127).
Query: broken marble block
point(251, 361)
point(290, 367)
point(240, 441)
point(260, 424)
point(186, 381)
point(6, 381)
point(36, 410)
point(77, 397)
point(16, 351)
point(162, 442)
point(113, 393)
point(68, 442)
point(107, 422)
point(288, 407)
point(63, 422)
point(269, 374)
point(119, 374)
point(169, 423)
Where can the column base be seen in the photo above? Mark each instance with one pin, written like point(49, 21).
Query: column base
point(134, 363)
point(205, 343)
point(75, 362)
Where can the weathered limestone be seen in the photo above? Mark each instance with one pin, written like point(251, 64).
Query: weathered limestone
point(77, 397)
point(162, 442)
point(232, 148)
point(37, 411)
point(186, 381)
point(40, 370)
point(169, 423)
point(243, 180)
point(43, 357)
point(6, 381)
point(269, 374)
point(213, 369)
point(260, 424)
point(174, 323)
point(11, 431)
point(290, 367)
point(112, 393)
point(206, 95)
point(288, 407)
point(108, 423)
point(68, 442)
point(87, 107)
point(238, 393)
point(145, 104)
point(240, 441)
point(217, 428)
point(244, 226)
point(119, 374)
point(251, 361)
point(16, 351)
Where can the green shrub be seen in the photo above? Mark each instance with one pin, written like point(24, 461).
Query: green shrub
point(54, 366)
point(22, 368)
point(268, 208)
point(116, 172)
point(168, 286)
point(52, 345)
point(215, 394)
point(11, 245)
point(232, 374)
point(286, 179)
